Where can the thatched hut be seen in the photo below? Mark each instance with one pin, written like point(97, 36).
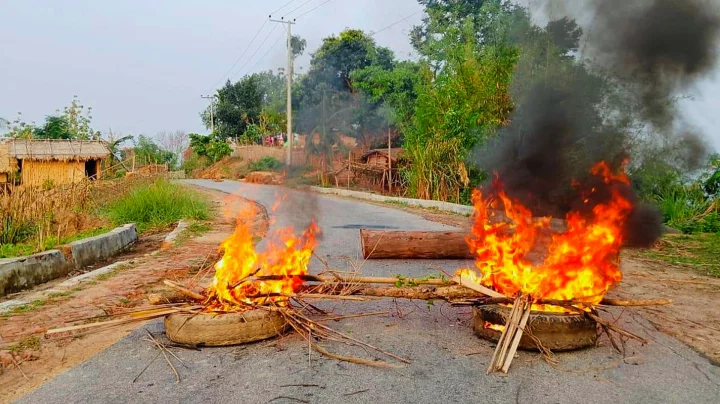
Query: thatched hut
point(37, 162)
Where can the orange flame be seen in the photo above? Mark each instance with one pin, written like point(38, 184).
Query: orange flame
point(581, 263)
point(286, 255)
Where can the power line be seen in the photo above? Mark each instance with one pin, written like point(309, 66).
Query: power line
point(314, 8)
point(256, 50)
point(394, 24)
point(265, 54)
point(284, 5)
point(297, 8)
point(241, 55)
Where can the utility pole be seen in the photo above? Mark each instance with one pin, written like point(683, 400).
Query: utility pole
point(212, 112)
point(290, 136)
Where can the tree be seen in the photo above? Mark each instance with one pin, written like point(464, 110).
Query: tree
point(113, 143)
point(55, 127)
point(79, 119)
point(330, 80)
point(210, 147)
point(174, 142)
point(238, 105)
point(148, 152)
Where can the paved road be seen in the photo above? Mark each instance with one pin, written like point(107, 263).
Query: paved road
point(448, 365)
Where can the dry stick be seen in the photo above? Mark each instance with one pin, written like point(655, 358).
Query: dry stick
point(359, 361)
point(611, 326)
point(510, 329)
point(501, 340)
point(17, 365)
point(146, 366)
point(401, 359)
point(511, 354)
point(177, 375)
point(630, 303)
point(185, 291)
point(337, 318)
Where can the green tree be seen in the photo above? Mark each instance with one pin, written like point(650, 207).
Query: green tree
point(148, 152)
point(238, 105)
point(211, 147)
point(55, 127)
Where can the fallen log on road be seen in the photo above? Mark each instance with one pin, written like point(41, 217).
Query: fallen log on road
point(379, 244)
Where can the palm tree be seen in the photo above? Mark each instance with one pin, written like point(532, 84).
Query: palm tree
point(113, 144)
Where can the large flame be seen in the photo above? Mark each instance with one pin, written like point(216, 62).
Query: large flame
point(580, 263)
point(286, 255)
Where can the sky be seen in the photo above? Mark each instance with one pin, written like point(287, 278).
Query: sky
point(143, 65)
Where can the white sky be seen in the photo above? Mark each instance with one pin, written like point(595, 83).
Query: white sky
point(142, 65)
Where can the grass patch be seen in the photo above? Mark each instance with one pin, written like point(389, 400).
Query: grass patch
point(57, 295)
point(158, 204)
point(26, 308)
point(698, 251)
point(20, 249)
point(28, 343)
point(265, 164)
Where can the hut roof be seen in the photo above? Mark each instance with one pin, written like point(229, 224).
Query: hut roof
point(62, 150)
point(395, 153)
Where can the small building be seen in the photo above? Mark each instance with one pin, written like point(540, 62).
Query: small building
point(378, 158)
point(37, 162)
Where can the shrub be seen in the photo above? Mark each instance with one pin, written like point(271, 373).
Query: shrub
point(157, 204)
point(265, 164)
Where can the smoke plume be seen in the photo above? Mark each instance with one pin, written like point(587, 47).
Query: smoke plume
point(653, 50)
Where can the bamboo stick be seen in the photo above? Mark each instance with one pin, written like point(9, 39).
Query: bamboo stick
point(185, 291)
point(518, 336)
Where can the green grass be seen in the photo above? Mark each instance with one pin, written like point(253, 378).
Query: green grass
point(699, 252)
point(20, 249)
point(25, 308)
point(265, 164)
point(158, 204)
point(28, 343)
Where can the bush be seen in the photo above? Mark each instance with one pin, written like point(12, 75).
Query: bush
point(265, 164)
point(157, 204)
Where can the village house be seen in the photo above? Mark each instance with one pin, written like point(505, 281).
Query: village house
point(37, 162)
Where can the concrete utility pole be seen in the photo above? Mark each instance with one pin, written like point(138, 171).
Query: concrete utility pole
point(212, 112)
point(290, 136)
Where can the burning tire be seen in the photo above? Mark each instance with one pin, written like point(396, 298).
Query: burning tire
point(224, 329)
point(556, 331)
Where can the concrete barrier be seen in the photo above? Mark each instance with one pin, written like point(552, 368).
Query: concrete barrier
point(21, 273)
point(96, 249)
point(17, 274)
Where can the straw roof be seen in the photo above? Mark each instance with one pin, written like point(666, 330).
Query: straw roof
point(395, 153)
point(61, 150)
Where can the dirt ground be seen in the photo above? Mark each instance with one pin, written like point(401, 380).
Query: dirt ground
point(28, 359)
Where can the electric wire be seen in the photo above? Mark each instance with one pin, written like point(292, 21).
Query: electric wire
point(313, 9)
point(394, 24)
point(241, 55)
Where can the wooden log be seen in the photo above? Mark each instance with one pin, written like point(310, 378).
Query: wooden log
point(409, 244)
point(379, 244)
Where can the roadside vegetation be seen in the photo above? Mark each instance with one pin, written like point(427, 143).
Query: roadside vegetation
point(34, 220)
point(156, 204)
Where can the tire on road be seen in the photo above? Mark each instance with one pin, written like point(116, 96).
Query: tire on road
point(208, 329)
point(556, 331)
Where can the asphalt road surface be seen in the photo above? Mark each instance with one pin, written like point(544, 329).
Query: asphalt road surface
point(448, 360)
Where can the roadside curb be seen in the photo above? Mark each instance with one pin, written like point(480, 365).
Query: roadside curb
point(171, 238)
point(22, 273)
point(423, 203)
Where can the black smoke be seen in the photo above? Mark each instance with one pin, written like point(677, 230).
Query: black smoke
point(652, 49)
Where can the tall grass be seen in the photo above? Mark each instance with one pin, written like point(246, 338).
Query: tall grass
point(157, 203)
point(35, 215)
point(437, 170)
